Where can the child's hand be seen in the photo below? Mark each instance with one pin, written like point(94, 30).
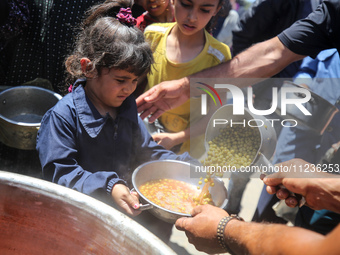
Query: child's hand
point(128, 201)
point(167, 140)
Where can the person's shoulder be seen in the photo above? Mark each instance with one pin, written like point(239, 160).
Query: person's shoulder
point(64, 106)
point(155, 32)
point(62, 112)
point(218, 49)
point(327, 54)
point(158, 28)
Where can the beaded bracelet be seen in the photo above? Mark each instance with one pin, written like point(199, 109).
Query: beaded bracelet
point(220, 230)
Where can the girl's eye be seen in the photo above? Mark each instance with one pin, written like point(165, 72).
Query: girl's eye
point(184, 4)
point(205, 11)
point(120, 81)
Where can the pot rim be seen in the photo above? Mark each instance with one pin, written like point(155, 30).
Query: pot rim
point(105, 213)
point(177, 214)
point(146, 199)
point(25, 124)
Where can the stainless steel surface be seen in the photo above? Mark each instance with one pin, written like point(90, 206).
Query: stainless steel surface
point(266, 130)
point(39, 217)
point(21, 110)
point(178, 170)
point(322, 111)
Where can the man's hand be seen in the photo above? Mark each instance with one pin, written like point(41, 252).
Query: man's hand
point(163, 97)
point(201, 230)
point(318, 188)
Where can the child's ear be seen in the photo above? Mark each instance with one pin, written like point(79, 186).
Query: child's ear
point(86, 65)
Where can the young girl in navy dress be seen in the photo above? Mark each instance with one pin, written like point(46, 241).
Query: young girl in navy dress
point(93, 139)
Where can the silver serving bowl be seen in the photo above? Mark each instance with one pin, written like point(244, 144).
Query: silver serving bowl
point(21, 111)
point(177, 170)
point(40, 217)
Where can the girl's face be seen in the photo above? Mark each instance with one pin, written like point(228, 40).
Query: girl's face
point(110, 88)
point(193, 15)
point(156, 7)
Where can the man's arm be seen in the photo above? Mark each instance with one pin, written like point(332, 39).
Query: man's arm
point(262, 60)
point(253, 238)
point(260, 238)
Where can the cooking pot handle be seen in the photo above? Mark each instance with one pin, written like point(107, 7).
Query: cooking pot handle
point(263, 161)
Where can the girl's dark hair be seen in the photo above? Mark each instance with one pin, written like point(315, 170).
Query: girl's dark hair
point(223, 12)
point(109, 43)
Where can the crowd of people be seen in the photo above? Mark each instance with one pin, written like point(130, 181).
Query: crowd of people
point(306, 37)
point(122, 61)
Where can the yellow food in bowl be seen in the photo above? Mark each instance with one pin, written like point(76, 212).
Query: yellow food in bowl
point(174, 195)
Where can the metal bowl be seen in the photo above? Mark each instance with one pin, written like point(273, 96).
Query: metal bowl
point(40, 217)
point(177, 170)
point(21, 111)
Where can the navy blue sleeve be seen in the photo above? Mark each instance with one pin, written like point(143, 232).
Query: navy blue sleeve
point(263, 20)
point(319, 31)
point(57, 148)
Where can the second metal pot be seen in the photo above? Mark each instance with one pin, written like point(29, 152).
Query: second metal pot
point(21, 110)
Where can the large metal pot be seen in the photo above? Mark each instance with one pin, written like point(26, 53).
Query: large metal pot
point(39, 217)
point(322, 111)
point(177, 170)
point(21, 111)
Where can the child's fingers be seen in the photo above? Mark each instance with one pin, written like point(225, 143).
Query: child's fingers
point(130, 204)
point(134, 193)
point(132, 200)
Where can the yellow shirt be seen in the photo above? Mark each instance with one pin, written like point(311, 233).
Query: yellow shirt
point(213, 53)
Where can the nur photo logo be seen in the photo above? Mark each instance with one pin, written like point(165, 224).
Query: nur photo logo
point(204, 97)
point(239, 99)
point(281, 100)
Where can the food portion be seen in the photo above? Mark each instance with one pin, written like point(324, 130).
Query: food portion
point(234, 147)
point(174, 195)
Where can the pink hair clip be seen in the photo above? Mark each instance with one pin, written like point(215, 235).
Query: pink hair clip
point(70, 88)
point(125, 17)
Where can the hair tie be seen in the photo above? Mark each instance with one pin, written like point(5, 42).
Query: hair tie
point(125, 17)
point(70, 88)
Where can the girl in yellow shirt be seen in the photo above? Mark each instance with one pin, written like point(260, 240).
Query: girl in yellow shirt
point(180, 49)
